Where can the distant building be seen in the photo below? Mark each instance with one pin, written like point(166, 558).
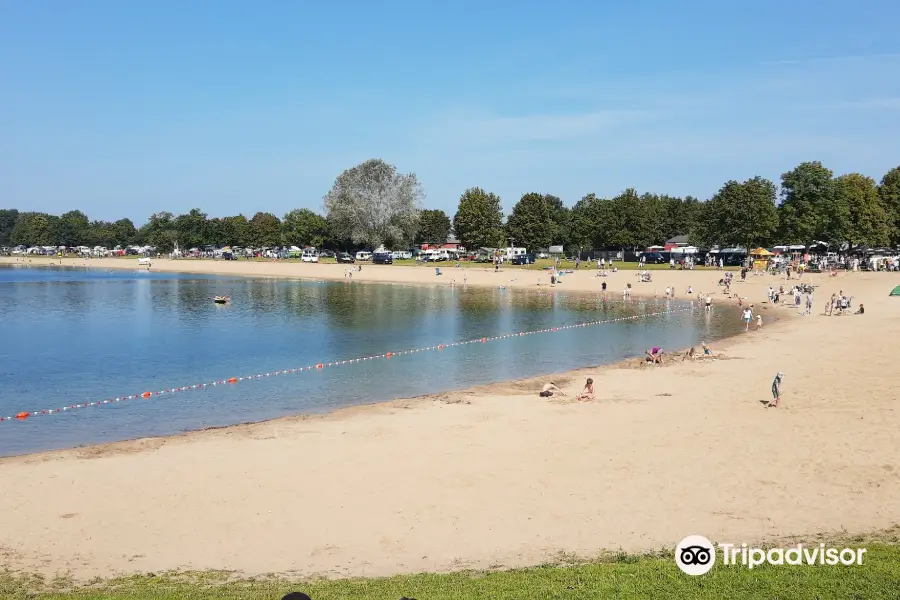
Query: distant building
point(451, 244)
point(679, 241)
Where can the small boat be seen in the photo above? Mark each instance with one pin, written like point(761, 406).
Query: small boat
point(221, 299)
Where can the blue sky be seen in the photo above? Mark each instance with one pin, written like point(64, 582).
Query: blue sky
point(126, 108)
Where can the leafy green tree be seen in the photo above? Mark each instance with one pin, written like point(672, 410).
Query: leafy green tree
point(302, 227)
point(531, 223)
point(235, 231)
point(434, 227)
point(889, 192)
point(867, 220)
point(73, 228)
point(582, 222)
point(631, 227)
point(34, 229)
point(681, 215)
point(123, 232)
point(192, 228)
point(561, 218)
point(373, 204)
point(807, 203)
point(160, 231)
point(478, 222)
point(740, 214)
point(265, 230)
point(8, 218)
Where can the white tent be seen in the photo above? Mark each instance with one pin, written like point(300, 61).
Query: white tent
point(686, 250)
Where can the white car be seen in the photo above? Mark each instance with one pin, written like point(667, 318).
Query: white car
point(309, 255)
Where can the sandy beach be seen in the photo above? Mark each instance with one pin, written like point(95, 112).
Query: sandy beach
point(496, 476)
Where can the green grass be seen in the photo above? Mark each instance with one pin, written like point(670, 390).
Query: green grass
point(617, 576)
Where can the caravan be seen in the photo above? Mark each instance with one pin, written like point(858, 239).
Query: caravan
point(309, 255)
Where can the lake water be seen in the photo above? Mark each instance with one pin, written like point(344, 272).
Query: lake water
point(70, 336)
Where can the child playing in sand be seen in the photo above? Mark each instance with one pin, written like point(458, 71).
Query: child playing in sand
point(706, 350)
point(776, 389)
point(549, 389)
point(759, 321)
point(588, 392)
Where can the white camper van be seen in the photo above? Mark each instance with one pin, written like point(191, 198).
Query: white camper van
point(309, 255)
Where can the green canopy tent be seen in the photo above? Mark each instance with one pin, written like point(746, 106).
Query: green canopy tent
point(896, 291)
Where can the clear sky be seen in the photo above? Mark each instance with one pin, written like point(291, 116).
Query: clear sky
point(122, 108)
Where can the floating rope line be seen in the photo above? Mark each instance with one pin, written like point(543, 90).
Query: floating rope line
point(21, 416)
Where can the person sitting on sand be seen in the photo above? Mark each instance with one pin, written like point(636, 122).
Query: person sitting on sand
point(654, 355)
point(692, 353)
point(706, 350)
point(588, 392)
point(548, 390)
point(861, 310)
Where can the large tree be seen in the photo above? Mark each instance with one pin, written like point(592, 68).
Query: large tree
point(434, 227)
point(73, 228)
point(807, 193)
point(35, 229)
point(867, 221)
point(302, 227)
point(631, 227)
point(235, 231)
point(192, 229)
point(160, 232)
point(265, 230)
point(478, 222)
point(561, 220)
point(889, 192)
point(740, 214)
point(530, 224)
point(8, 218)
point(373, 204)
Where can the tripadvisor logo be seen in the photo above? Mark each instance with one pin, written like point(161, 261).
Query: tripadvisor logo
point(696, 555)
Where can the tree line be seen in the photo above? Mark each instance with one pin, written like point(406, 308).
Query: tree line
point(373, 204)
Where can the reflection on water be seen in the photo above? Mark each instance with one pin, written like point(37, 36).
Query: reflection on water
point(77, 335)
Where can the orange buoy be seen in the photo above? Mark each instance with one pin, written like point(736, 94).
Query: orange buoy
point(146, 395)
point(483, 339)
point(232, 380)
point(23, 415)
point(440, 346)
point(319, 366)
point(389, 354)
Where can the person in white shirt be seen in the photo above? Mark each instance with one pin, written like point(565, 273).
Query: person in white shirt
point(748, 315)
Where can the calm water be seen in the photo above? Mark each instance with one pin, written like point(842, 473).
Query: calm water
point(76, 335)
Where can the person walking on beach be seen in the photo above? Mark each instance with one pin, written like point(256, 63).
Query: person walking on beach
point(748, 315)
point(776, 390)
point(809, 304)
point(708, 302)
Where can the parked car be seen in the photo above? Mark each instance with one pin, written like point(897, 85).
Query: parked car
point(522, 259)
point(326, 254)
point(309, 255)
point(345, 258)
point(382, 258)
point(653, 258)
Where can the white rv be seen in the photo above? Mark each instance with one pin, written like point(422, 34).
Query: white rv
point(309, 255)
